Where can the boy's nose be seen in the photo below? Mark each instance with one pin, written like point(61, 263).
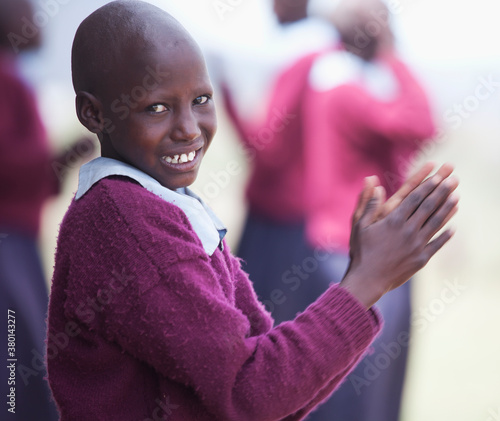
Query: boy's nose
point(186, 127)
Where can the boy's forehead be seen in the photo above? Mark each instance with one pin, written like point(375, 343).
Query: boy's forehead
point(127, 35)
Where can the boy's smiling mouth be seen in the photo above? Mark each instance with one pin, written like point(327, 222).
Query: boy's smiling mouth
point(182, 159)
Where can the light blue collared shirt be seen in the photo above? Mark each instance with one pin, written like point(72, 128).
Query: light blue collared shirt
point(205, 223)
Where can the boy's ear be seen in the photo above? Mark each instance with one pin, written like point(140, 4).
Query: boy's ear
point(89, 112)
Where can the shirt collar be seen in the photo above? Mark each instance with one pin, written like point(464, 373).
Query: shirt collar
point(208, 227)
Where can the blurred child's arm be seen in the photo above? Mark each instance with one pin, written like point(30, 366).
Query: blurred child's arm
point(405, 118)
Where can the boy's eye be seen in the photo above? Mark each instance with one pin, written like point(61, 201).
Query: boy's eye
point(203, 99)
point(157, 108)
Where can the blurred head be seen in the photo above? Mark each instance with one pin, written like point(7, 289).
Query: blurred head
point(142, 86)
point(288, 11)
point(17, 30)
point(363, 26)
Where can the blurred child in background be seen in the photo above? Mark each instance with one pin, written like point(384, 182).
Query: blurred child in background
point(332, 116)
point(264, 105)
point(364, 113)
point(29, 175)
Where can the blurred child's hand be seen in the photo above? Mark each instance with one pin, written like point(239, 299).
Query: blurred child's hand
point(391, 241)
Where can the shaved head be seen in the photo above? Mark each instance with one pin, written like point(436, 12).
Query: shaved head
point(12, 13)
point(116, 36)
point(364, 26)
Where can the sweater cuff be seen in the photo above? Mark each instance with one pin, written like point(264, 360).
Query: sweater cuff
point(359, 325)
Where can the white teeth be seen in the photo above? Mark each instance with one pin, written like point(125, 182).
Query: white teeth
point(180, 159)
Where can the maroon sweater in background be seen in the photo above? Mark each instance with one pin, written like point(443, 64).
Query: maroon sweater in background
point(275, 146)
point(144, 324)
point(26, 177)
point(351, 134)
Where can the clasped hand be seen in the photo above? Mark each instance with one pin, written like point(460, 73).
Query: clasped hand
point(392, 240)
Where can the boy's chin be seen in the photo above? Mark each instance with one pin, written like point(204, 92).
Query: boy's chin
point(179, 183)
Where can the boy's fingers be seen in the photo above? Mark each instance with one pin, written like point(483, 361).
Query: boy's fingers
point(449, 216)
point(413, 201)
point(430, 210)
point(413, 182)
point(372, 208)
point(408, 186)
point(433, 247)
point(439, 219)
point(364, 197)
point(445, 170)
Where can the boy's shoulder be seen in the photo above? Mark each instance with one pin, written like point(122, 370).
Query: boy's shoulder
point(116, 205)
point(125, 195)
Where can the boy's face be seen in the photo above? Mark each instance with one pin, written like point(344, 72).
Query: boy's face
point(159, 113)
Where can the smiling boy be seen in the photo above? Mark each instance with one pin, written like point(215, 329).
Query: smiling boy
point(150, 316)
point(174, 102)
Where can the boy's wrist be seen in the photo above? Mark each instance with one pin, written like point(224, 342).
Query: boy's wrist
point(361, 288)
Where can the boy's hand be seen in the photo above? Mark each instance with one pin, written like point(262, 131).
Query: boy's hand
point(409, 185)
point(389, 244)
point(412, 183)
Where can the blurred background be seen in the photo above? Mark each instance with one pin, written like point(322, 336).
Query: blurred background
point(452, 46)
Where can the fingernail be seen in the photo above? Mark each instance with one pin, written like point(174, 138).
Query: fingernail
point(437, 178)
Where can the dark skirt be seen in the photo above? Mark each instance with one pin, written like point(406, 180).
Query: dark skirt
point(286, 273)
point(23, 291)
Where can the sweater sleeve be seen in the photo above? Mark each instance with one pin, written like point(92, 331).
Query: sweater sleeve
point(245, 290)
point(329, 388)
point(180, 317)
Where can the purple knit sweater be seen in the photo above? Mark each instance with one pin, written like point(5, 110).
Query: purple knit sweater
point(144, 325)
